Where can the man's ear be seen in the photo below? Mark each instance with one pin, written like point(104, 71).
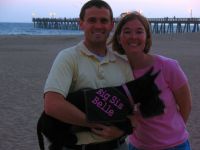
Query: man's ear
point(112, 25)
point(81, 24)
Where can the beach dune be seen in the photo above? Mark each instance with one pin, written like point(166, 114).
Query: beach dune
point(24, 65)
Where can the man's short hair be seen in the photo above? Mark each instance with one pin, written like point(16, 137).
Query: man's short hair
point(95, 3)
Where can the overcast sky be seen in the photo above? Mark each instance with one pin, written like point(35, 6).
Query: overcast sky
point(24, 10)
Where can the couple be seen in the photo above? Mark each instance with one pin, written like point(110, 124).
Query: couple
point(90, 64)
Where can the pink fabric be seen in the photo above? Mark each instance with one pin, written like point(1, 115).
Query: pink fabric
point(168, 129)
point(128, 94)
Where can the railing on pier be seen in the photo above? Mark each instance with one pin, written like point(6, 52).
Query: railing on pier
point(174, 25)
point(158, 25)
point(56, 23)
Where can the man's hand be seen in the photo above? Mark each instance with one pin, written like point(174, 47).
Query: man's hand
point(107, 132)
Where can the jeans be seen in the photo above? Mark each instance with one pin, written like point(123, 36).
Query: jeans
point(183, 146)
point(124, 146)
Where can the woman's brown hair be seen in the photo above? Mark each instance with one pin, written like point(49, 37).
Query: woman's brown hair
point(126, 18)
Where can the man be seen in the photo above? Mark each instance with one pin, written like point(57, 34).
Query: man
point(89, 64)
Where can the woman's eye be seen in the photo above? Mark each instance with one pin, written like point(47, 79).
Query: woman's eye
point(140, 32)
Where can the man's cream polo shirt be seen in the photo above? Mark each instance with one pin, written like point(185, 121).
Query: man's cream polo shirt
point(76, 67)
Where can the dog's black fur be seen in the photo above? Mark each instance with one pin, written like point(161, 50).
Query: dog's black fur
point(143, 91)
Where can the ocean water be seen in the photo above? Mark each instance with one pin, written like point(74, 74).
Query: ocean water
point(28, 29)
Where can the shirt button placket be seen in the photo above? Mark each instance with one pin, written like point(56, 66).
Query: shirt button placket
point(100, 72)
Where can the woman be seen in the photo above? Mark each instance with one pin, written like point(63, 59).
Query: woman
point(168, 130)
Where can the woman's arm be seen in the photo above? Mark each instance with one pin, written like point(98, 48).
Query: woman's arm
point(184, 101)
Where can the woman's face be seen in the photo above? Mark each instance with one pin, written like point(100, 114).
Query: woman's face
point(133, 37)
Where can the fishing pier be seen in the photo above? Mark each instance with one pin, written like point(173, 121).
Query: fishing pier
point(158, 25)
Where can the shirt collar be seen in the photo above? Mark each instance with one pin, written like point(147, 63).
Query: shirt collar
point(110, 56)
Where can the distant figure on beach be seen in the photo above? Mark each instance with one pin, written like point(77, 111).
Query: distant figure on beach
point(89, 64)
point(168, 130)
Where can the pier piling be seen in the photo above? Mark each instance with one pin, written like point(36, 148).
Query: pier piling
point(158, 25)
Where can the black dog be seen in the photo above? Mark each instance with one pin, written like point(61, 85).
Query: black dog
point(143, 90)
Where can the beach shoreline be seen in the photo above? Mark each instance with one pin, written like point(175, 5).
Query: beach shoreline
point(25, 61)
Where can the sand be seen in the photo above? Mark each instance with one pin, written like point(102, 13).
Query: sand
point(24, 65)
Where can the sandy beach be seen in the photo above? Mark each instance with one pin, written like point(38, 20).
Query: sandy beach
point(24, 65)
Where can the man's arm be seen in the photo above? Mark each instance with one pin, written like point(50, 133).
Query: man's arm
point(56, 106)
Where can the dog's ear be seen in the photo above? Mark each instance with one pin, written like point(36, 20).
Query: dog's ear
point(155, 74)
point(150, 75)
point(149, 71)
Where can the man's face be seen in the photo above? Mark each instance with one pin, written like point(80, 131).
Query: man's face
point(96, 25)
